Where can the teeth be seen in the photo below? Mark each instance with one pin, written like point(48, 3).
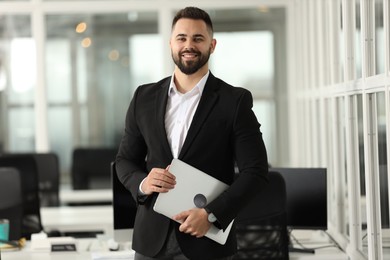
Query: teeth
point(189, 55)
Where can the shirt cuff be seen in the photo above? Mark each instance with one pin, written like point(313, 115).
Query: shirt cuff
point(140, 189)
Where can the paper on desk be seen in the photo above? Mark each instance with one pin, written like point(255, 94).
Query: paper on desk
point(113, 255)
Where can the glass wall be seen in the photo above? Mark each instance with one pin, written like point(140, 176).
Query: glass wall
point(17, 83)
point(359, 200)
point(94, 59)
point(93, 64)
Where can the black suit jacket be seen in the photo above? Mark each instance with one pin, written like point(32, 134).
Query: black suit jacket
point(224, 130)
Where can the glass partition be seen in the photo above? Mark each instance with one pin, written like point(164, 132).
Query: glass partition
point(245, 56)
point(382, 158)
point(358, 42)
point(362, 173)
point(17, 83)
point(379, 38)
point(94, 62)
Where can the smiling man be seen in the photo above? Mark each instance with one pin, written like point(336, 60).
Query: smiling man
point(203, 121)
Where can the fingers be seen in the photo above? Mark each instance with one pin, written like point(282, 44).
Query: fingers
point(158, 180)
point(193, 222)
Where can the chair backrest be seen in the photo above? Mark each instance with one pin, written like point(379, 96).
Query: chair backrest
point(48, 178)
point(261, 226)
point(124, 209)
point(27, 167)
point(11, 203)
point(91, 167)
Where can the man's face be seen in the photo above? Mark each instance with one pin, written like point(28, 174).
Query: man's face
point(191, 45)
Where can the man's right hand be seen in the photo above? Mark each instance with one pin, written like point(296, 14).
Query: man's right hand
point(158, 180)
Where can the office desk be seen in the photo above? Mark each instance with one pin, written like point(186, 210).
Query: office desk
point(92, 218)
point(324, 247)
point(68, 196)
point(87, 247)
point(78, 219)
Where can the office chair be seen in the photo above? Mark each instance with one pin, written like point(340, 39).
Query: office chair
point(11, 203)
point(124, 209)
point(48, 170)
point(91, 167)
point(48, 178)
point(26, 165)
point(262, 225)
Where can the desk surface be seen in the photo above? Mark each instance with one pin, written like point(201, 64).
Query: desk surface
point(85, 249)
point(78, 219)
point(92, 218)
point(68, 196)
point(89, 247)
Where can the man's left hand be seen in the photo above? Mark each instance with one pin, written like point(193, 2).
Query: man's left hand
point(193, 222)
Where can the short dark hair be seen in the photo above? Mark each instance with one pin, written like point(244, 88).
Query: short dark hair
point(193, 13)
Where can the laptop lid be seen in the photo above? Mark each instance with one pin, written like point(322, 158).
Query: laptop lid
point(194, 188)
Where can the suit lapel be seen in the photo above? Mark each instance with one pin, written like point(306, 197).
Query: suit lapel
point(206, 103)
point(161, 104)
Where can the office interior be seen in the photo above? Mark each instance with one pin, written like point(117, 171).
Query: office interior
point(319, 72)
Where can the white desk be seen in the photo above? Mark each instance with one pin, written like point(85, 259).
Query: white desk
point(316, 239)
point(68, 196)
point(92, 218)
point(85, 249)
point(84, 219)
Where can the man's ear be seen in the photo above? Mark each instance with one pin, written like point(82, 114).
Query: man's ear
point(213, 44)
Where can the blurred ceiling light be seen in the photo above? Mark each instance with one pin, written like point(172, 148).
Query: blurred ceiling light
point(132, 16)
point(86, 42)
point(263, 9)
point(81, 27)
point(113, 55)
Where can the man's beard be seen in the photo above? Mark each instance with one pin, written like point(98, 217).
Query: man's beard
point(190, 67)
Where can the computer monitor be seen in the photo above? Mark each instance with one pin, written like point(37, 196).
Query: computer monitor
point(124, 209)
point(306, 190)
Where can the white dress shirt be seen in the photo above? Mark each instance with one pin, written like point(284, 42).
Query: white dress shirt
point(180, 112)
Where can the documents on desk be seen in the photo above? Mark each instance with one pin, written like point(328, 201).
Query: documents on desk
point(41, 243)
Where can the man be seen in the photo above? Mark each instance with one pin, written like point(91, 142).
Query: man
point(204, 122)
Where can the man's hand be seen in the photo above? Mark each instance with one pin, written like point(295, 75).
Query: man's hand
point(193, 222)
point(158, 180)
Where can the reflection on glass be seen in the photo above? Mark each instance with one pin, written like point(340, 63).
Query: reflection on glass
point(362, 172)
point(379, 38)
point(343, 160)
point(358, 42)
point(17, 83)
point(341, 44)
point(382, 154)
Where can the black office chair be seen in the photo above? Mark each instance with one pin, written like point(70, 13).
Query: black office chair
point(48, 178)
point(91, 167)
point(11, 203)
point(124, 208)
point(27, 167)
point(262, 225)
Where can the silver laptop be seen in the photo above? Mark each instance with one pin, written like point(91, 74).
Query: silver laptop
point(194, 188)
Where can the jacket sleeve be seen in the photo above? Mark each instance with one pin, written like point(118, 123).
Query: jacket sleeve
point(251, 159)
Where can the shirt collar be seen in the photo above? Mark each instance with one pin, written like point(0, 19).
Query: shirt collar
point(199, 86)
